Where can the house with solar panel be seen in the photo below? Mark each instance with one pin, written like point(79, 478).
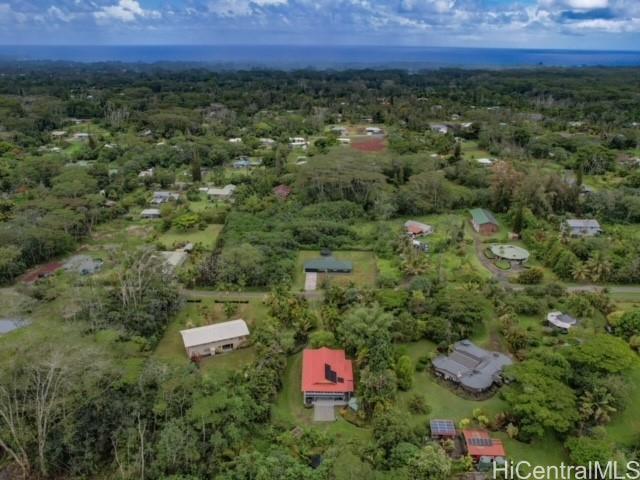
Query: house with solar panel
point(483, 221)
point(482, 448)
point(471, 367)
point(443, 429)
point(327, 377)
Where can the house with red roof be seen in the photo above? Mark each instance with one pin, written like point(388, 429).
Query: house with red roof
point(326, 375)
point(481, 447)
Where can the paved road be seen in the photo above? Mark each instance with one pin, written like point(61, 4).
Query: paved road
point(223, 295)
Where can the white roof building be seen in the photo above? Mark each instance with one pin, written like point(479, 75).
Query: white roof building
point(235, 140)
point(150, 213)
point(225, 191)
point(485, 162)
point(175, 259)
point(216, 338)
point(561, 320)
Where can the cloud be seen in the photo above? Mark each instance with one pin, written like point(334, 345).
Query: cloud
point(124, 11)
point(240, 8)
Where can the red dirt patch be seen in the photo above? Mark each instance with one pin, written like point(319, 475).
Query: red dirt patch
point(370, 144)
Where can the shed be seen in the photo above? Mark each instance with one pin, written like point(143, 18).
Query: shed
point(483, 221)
point(480, 445)
point(214, 339)
point(561, 321)
point(442, 429)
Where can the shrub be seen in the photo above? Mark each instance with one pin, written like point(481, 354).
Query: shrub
point(531, 276)
point(418, 405)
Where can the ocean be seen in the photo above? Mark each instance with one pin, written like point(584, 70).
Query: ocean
point(321, 57)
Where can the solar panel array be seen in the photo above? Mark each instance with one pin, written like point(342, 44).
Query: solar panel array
point(481, 442)
point(330, 374)
point(443, 427)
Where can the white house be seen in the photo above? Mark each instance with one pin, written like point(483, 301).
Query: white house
point(485, 162)
point(235, 140)
point(224, 193)
point(214, 339)
point(150, 213)
point(373, 130)
point(439, 128)
point(298, 142)
point(146, 173)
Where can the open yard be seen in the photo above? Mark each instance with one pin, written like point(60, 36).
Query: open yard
point(205, 238)
point(364, 268)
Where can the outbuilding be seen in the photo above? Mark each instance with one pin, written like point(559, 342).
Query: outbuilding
point(561, 321)
point(215, 339)
point(480, 445)
point(483, 221)
point(510, 253)
point(417, 229)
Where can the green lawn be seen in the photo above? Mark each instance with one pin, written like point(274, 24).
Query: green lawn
point(625, 427)
point(364, 271)
point(205, 238)
point(444, 402)
point(547, 451)
point(471, 151)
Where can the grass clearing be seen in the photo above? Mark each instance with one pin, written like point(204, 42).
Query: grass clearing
point(205, 238)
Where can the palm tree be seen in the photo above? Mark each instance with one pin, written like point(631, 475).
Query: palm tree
point(599, 267)
point(596, 406)
point(580, 272)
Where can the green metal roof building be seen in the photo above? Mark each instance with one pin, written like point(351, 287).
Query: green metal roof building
point(328, 264)
point(482, 216)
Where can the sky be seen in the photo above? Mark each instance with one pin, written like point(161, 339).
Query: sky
point(570, 24)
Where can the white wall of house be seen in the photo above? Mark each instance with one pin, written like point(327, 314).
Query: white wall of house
point(215, 348)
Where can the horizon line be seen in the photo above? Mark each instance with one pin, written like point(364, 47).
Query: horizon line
point(363, 45)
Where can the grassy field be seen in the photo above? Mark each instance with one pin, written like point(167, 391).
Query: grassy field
point(625, 427)
point(471, 151)
point(364, 268)
point(205, 238)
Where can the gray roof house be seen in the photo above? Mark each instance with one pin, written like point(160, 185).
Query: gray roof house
point(582, 228)
point(163, 197)
point(327, 263)
point(472, 367)
point(150, 213)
